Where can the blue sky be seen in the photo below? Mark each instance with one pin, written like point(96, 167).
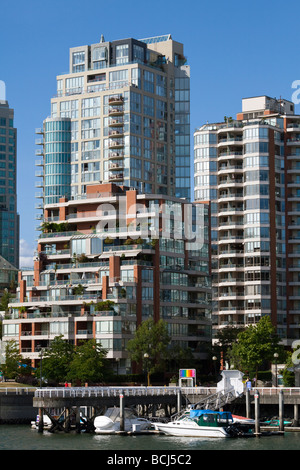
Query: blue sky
point(235, 49)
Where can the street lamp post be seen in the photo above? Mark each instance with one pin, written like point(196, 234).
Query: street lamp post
point(117, 362)
point(214, 358)
point(146, 357)
point(40, 349)
point(276, 379)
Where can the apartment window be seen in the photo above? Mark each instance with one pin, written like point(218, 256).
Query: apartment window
point(135, 145)
point(161, 109)
point(99, 57)
point(79, 246)
point(59, 328)
point(54, 110)
point(147, 293)
point(135, 168)
point(148, 81)
point(148, 106)
point(257, 175)
point(148, 125)
point(161, 86)
point(135, 123)
point(136, 77)
point(59, 87)
point(204, 139)
point(90, 128)
point(99, 53)
point(122, 54)
point(118, 79)
point(73, 85)
point(90, 107)
point(135, 102)
point(11, 330)
point(256, 133)
point(127, 275)
point(69, 109)
point(78, 61)
point(257, 147)
point(106, 327)
point(138, 53)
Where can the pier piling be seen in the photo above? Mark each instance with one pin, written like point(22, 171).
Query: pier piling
point(41, 420)
point(122, 413)
point(257, 414)
point(248, 404)
point(281, 411)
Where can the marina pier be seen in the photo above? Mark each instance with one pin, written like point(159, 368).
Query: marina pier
point(64, 405)
point(148, 401)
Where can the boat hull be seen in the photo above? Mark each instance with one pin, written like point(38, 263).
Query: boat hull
point(104, 425)
point(185, 430)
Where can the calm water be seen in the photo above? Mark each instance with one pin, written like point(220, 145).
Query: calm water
point(22, 437)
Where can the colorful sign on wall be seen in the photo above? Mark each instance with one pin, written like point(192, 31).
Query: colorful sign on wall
point(187, 373)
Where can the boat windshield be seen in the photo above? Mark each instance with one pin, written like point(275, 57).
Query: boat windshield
point(211, 418)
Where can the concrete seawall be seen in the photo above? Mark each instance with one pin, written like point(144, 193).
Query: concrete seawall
point(16, 408)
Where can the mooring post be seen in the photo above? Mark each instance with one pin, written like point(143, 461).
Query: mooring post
point(257, 413)
point(122, 413)
point(77, 420)
point(248, 405)
point(41, 420)
point(281, 411)
point(296, 415)
point(178, 401)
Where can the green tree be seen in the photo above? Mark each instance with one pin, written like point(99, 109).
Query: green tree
point(13, 360)
point(56, 360)
point(226, 338)
point(5, 299)
point(256, 345)
point(288, 373)
point(180, 358)
point(88, 363)
point(149, 347)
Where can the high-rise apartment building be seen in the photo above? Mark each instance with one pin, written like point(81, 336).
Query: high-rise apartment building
point(120, 115)
point(9, 218)
point(136, 251)
point(248, 168)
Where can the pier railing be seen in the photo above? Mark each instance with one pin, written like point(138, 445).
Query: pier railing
point(269, 391)
point(136, 391)
point(117, 391)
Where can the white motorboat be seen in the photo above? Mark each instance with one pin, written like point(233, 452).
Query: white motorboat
point(243, 420)
point(204, 423)
point(110, 421)
point(47, 423)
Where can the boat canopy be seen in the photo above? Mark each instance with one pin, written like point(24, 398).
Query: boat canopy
point(221, 414)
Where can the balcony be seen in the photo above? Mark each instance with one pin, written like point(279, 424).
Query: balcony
point(116, 166)
point(115, 111)
point(116, 144)
point(116, 133)
point(113, 155)
point(116, 122)
point(116, 177)
point(116, 100)
point(59, 234)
